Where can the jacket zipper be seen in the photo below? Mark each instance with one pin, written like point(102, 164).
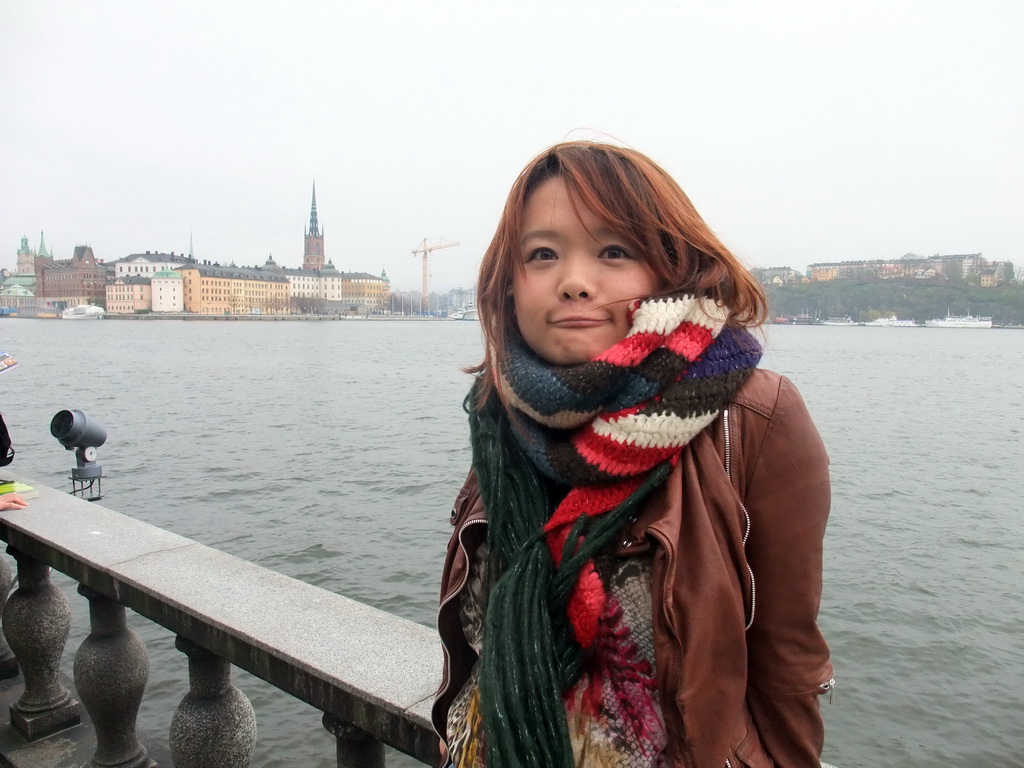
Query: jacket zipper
point(746, 518)
point(828, 687)
point(666, 589)
point(451, 596)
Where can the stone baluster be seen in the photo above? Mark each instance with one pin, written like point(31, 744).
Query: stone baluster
point(111, 668)
point(356, 748)
point(8, 664)
point(214, 725)
point(37, 619)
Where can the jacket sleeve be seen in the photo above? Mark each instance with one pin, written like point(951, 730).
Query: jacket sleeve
point(787, 496)
point(458, 656)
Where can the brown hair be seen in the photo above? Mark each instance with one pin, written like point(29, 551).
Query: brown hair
point(637, 199)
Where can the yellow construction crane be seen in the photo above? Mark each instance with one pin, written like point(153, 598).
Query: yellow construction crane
point(429, 244)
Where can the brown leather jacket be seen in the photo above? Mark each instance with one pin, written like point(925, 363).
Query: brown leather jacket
point(731, 695)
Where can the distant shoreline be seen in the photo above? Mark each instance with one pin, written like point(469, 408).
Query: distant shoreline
point(271, 318)
point(262, 318)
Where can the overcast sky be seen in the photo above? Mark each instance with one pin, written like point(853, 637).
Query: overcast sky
point(803, 131)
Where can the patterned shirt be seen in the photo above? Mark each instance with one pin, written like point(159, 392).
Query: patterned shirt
point(613, 713)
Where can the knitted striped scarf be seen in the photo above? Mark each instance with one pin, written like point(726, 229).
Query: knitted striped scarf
point(610, 430)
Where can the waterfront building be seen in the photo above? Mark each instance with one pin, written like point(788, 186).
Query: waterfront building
point(19, 298)
point(210, 289)
point(78, 280)
point(18, 288)
point(24, 274)
point(313, 251)
point(128, 295)
point(951, 267)
point(319, 291)
point(776, 275)
point(27, 257)
point(331, 287)
point(363, 293)
point(312, 291)
point(149, 263)
point(168, 291)
point(306, 298)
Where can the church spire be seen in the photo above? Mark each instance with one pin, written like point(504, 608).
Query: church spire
point(42, 246)
point(314, 227)
point(313, 257)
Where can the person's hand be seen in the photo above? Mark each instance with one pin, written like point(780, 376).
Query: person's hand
point(12, 501)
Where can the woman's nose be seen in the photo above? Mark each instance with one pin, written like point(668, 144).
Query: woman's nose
point(576, 283)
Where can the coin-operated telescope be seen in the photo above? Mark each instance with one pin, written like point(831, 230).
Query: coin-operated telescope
point(83, 435)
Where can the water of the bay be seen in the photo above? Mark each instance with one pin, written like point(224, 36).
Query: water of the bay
point(331, 451)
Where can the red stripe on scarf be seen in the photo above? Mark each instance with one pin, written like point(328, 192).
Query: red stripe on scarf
point(618, 459)
point(586, 500)
point(689, 341)
point(632, 349)
point(586, 604)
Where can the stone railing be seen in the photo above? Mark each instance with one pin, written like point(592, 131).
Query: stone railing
point(372, 674)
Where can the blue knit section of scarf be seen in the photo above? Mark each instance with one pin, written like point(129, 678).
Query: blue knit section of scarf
point(735, 348)
point(551, 389)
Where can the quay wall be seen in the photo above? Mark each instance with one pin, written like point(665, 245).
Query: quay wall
point(371, 673)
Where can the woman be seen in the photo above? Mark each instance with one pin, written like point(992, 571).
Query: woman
point(635, 571)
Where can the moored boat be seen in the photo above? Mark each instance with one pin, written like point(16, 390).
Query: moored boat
point(959, 321)
point(804, 319)
point(83, 312)
point(466, 313)
point(891, 322)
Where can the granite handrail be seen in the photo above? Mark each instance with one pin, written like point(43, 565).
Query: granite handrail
point(315, 645)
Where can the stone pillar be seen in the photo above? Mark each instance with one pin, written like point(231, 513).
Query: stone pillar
point(8, 664)
point(214, 726)
point(111, 668)
point(356, 748)
point(37, 619)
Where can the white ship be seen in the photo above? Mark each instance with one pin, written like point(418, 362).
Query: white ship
point(891, 322)
point(83, 312)
point(955, 321)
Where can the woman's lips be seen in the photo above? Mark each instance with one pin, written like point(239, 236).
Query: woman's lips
point(578, 321)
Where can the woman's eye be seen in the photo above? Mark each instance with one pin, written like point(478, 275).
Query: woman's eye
point(615, 252)
point(541, 254)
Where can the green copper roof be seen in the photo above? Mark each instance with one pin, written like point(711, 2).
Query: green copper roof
point(27, 280)
point(168, 273)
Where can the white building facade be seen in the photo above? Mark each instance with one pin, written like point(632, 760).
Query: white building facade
point(168, 291)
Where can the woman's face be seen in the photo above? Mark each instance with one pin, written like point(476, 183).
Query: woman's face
point(577, 279)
